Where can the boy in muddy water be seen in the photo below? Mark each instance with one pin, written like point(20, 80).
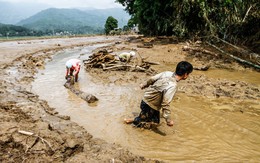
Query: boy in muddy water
point(159, 94)
point(72, 68)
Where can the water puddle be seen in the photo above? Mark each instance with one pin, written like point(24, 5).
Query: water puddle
point(204, 130)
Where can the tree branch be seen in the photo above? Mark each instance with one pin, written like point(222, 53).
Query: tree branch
point(234, 57)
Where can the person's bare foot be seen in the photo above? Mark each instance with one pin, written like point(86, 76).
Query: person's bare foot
point(128, 121)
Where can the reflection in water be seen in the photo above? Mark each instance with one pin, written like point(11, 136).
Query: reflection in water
point(205, 129)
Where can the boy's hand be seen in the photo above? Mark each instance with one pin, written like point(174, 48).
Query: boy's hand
point(170, 123)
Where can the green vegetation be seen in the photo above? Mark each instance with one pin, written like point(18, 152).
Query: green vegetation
point(118, 13)
point(228, 19)
point(64, 21)
point(12, 30)
point(111, 24)
point(7, 31)
point(17, 38)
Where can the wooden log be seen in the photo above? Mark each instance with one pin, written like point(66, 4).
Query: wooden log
point(152, 63)
point(145, 46)
point(85, 96)
point(138, 68)
point(234, 57)
point(237, 48)
point(247, 13)
point(135, 67)
point(196, 49)
point(38, 137)
point(241, 50)
point(25, 133)
point(116, 66)
point(202, 68)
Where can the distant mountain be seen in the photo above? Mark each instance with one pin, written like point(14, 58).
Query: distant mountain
point(74, 20)
point(12, 13)
point(61, 17)
point(118, 13)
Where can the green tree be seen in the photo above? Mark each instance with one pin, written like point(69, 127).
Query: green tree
point(131, 23)
point(111, 24)
point(193, 17)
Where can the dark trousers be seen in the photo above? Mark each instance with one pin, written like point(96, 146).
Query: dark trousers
point(147, 114)
point(76, 76)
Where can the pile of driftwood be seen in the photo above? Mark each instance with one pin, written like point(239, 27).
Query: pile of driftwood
point(107, 61)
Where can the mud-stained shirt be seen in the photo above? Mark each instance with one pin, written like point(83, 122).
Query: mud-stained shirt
point(75, 62)
point(126, 56)
point(160, 92)
point(75, 66)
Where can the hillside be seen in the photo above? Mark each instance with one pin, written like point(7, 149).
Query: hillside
point(7, 30)
point(73, 20)
point(62, 19)
point(118, 13)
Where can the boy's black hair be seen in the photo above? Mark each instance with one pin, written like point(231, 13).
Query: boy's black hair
point(183, 67)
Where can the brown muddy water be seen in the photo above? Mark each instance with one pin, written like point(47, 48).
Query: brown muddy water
point(206, 129)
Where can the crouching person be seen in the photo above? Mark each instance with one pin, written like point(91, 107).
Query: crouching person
point(160, 90)
point(126, 56)
point(73, 68)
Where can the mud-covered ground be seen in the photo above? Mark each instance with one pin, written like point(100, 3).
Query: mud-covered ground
point(32, 131)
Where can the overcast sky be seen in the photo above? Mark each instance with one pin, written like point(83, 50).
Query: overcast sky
point(73, 3)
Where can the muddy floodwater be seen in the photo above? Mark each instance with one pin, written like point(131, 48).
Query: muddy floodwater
point(206, 129)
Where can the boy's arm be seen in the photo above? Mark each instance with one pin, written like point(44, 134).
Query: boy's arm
point(146, 84)
point(128, 57)
point(67, 72)
point(151, 81)
point(167, 98)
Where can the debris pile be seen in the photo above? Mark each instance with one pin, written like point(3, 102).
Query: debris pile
point(106, 60)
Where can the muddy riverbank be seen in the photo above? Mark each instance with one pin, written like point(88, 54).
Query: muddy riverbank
point(32, 131)
point(216, 112)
